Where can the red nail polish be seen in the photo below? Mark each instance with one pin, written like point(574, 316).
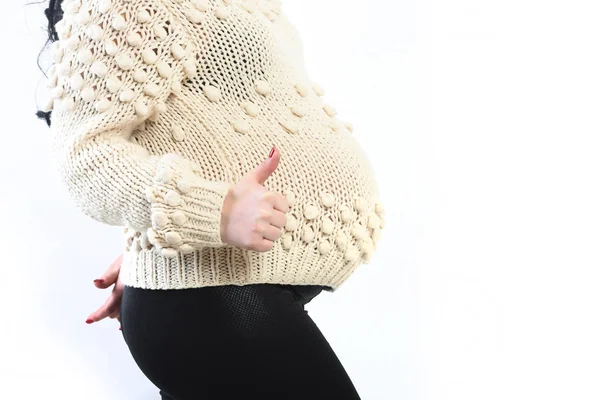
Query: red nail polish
point(272, 151)
point(89, 321)
point(120, 329)
point(99, 280)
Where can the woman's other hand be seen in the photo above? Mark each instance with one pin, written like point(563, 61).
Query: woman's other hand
point(112, 306)
point(252, 216)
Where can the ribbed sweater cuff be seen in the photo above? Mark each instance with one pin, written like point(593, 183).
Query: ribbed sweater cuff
point(185, 208)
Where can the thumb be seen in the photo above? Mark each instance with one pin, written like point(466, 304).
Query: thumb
point(267, 167)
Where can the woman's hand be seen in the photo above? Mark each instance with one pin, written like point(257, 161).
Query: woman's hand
point(253, 216)
point(112, 306)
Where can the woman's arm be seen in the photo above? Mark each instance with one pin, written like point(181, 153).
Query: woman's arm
point(116, 67)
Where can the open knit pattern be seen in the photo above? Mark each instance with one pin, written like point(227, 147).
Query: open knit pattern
point(160, 106)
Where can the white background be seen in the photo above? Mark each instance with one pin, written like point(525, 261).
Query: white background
point(481, 120)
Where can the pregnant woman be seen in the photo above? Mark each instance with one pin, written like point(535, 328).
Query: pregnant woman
point(195, 126)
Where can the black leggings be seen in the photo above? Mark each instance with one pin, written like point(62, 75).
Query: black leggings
point(222, 342)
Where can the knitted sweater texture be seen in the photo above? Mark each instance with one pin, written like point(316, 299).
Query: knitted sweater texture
point(161, 106)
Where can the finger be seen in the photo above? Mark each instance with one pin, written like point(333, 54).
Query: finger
point(114, 308)
point(269, 198)
point(109, 307)
point(262, 171)
point(281, 203)
point(110, 275)
point(277, 219)
point(264, 245)
point(271, 232)
point(117, 313)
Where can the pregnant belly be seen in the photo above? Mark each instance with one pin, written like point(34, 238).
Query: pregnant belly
point(330, 185)
point(332, 163)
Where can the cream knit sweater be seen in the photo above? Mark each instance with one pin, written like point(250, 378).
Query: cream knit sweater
point(160, 106)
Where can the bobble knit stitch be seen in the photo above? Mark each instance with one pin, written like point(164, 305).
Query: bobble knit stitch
point(161, 107)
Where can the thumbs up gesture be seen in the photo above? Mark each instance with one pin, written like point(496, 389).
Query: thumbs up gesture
point(252, 216)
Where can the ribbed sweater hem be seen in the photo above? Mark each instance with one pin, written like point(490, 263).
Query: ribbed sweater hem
point(228, 265)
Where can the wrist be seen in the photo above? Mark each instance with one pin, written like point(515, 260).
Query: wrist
point(225, 212)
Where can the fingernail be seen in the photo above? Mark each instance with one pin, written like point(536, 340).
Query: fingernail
point(272, 151)
point(99, 280)
point(120, 329)
point(89, 321)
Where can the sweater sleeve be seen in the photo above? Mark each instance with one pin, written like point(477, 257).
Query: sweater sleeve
point(116, 64)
